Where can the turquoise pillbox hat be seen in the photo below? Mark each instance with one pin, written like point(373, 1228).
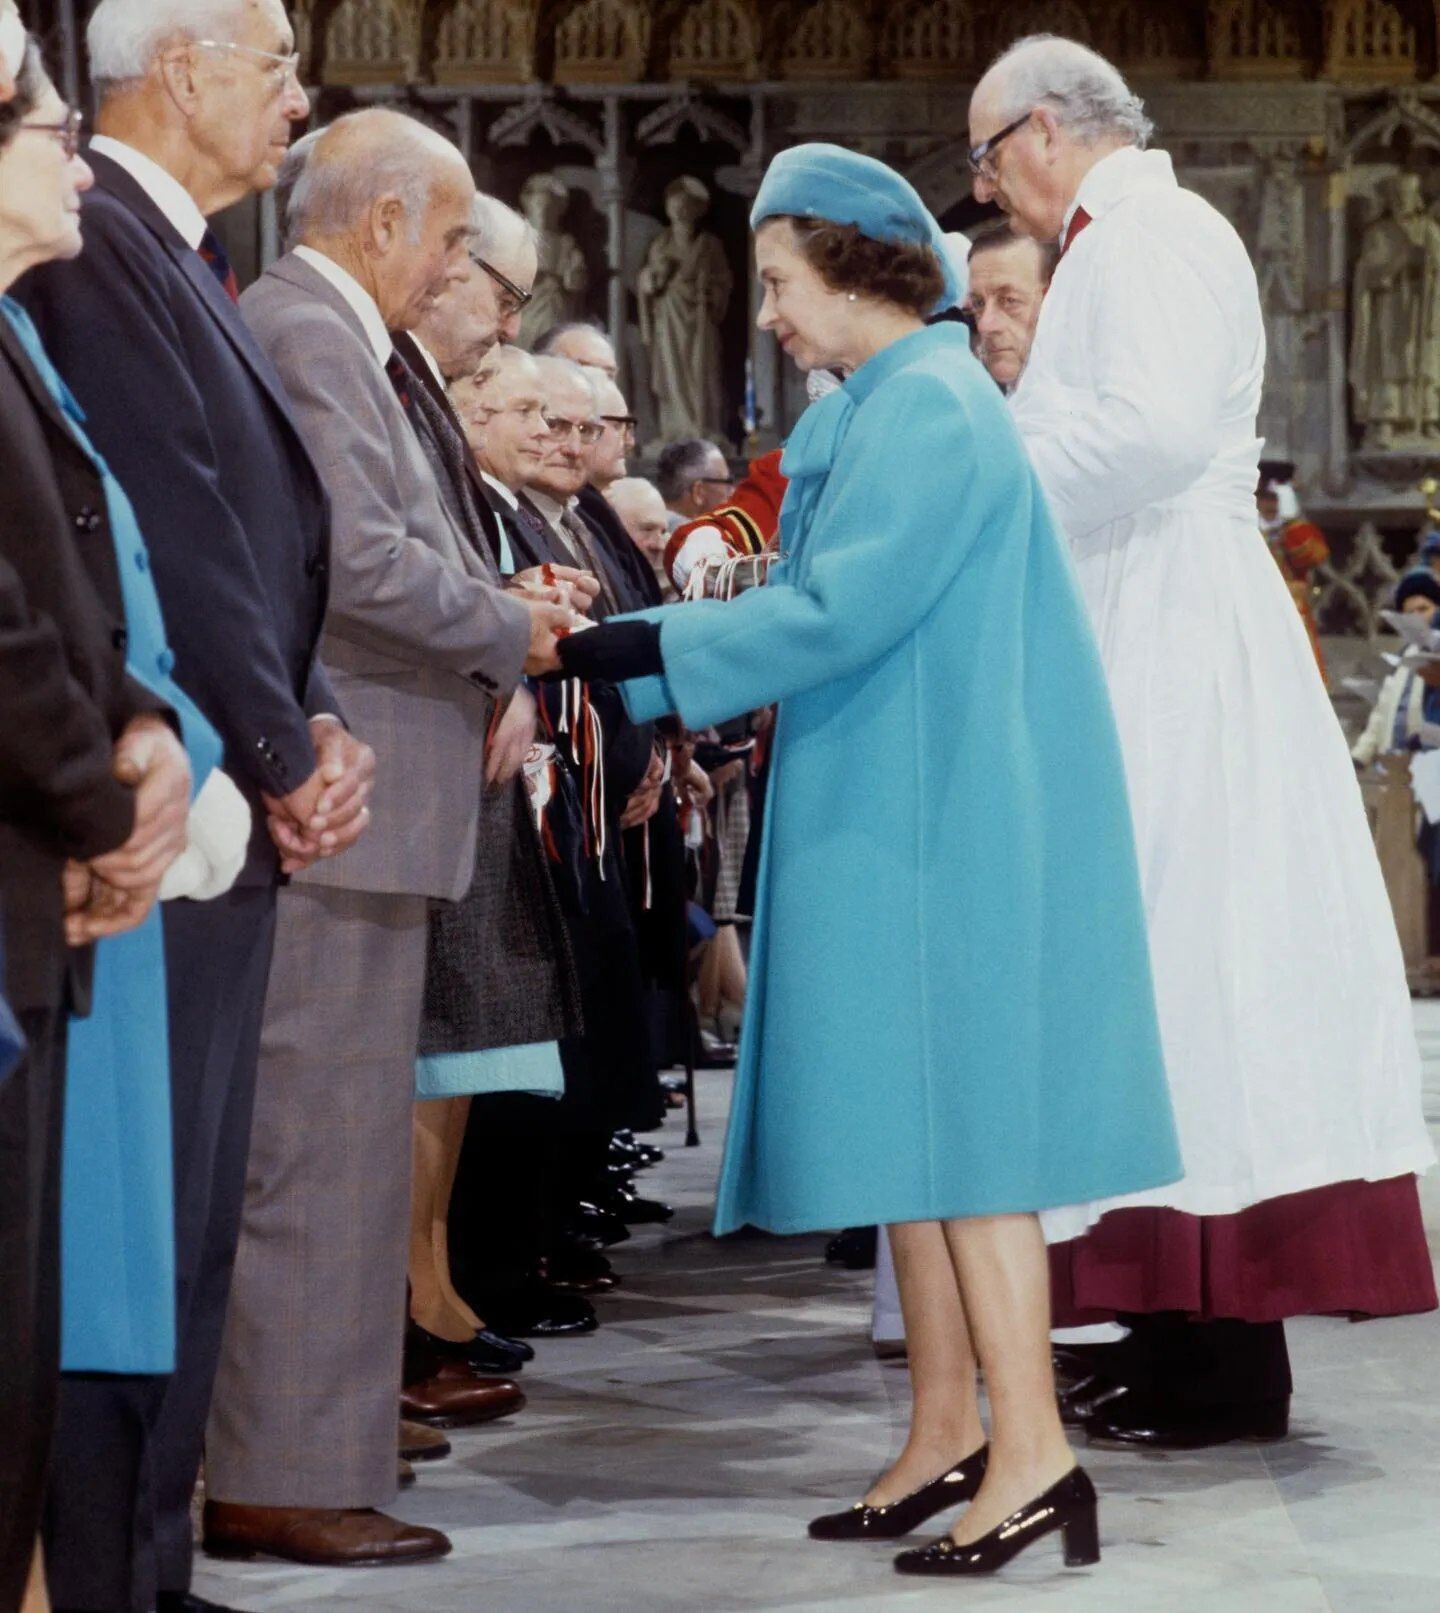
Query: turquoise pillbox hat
point(846, 187)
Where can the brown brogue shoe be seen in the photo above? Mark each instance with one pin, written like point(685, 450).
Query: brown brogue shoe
point(460, 1402)
point(406, 1475)
point(421, 1444)
point(328, 1538)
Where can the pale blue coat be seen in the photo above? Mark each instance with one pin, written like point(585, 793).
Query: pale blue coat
point(950, 1008)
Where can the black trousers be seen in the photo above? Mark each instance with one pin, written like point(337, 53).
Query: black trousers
point(1202, 1364)
point(128, 1450)
point(31, 1115)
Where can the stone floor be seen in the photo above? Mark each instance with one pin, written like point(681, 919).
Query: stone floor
point(668, 1463)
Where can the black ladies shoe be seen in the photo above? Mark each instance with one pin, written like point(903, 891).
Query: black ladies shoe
point(1069, 1506)
point(900, 1517)
point(493, 1352)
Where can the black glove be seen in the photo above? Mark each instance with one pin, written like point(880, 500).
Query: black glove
point(611, 653)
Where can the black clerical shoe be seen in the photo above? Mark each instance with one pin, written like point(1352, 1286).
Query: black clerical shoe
point(860, 1522)
point(578, 1270)
point(1068, 1506)
point(187, 1602)
point(856, 1248)
point(1161, 1424)
point(1089, 1398)
point(602, 1226)
point(635, 1211)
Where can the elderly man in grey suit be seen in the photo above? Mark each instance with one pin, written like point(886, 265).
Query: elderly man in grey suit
point(301, 1455)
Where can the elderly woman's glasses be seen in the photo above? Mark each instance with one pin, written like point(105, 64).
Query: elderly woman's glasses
point(559, 428)
point(515, 301)
point(68, 131)
point(982, 157)
point(281, 69)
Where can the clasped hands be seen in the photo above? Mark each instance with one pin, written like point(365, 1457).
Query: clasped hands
point(559, 600)
point(330, 811)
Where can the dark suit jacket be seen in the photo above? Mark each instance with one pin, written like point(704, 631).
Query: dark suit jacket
point(195, 423)
point(596, 510)
point(64, 691)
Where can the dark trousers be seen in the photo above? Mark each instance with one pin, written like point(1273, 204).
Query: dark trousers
point(31, 1115)
point(1203, 1364)
point(128, 1450)
point(504, 1208)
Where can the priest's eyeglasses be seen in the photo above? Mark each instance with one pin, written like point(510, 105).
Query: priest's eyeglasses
point(68, 131)
point(281, 69)
point(515, 300)
point(982, 157)
point(588, 431)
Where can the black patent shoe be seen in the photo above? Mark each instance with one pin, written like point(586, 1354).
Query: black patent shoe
point(900, 1517)
point(1152, 1422)
point(635, 1211)
point(1069, 1506)
point(493, 1352)
point(1089, 1398)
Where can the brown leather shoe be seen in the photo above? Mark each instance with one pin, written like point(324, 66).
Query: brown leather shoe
point(355, 1538)
point(459, 1401)
point(421, 1444)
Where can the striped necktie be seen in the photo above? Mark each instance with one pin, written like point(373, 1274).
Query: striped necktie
point(218, 264)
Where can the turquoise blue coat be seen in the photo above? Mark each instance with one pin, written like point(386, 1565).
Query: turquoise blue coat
point(117, 1223)
point(950, 1008)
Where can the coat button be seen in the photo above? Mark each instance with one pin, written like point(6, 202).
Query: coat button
point(165, 662)
point(120, 638)
point(87, 520)
point(142, 560)
point(315, 566)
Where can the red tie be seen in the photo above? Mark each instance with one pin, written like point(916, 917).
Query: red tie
point(219, 265)
point(1077, 223)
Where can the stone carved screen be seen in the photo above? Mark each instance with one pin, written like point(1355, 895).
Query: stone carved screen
point(715, 39)
point(485, 41)
point(1371, 39)
point(829, 39)
point(936, 38)
point(1256, 38)
point(371, 42)
point(600, 40)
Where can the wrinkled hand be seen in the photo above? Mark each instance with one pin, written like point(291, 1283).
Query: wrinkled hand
point(727, 773)
point(695, 784)
point(644, 803)
point(330, 810)
point(565, 585)
point(150, 759)
point(547, 624)
point(510, 743)
point(94, 910)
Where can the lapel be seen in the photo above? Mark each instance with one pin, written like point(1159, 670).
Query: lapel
point(523, 541)
point(112, 178)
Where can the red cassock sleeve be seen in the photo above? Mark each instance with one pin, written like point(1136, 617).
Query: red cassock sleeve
point(749, 522)
point(1305, 546)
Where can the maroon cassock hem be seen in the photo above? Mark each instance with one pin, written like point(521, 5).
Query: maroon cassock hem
point(1354, 1249)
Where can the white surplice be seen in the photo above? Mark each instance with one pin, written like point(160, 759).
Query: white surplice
point(1283, 1005)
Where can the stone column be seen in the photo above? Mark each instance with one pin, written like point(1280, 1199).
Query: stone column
point(611, 168)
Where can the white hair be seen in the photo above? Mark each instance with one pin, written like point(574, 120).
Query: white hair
point(333, 192)
point(553, 368)
point(1089, 97)
point(124, 36)
point(496, 229)
point(286, 179)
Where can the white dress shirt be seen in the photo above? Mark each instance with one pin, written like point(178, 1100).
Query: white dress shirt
point(356, 296)
point(161, 186)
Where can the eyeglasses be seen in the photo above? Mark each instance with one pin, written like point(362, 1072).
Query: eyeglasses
point(717, 481)
point(281, 69)
point(518, 300)
point(981, 157)
point(68, 131)
point(588, 431)
point(622, 422)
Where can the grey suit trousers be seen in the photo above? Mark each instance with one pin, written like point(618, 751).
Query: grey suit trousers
point(306, 1400)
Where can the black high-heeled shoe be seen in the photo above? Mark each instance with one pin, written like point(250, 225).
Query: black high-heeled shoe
point(1069, 1506)
point(900, 1517)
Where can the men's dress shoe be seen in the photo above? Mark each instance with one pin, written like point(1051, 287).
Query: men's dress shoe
point(421, 1444)
point(1157, 1424)
point(635, 1211)
point(1068, 1506)
point(328, 1538)
point(460, 1402)
point(900, 1517)
point(489, 1351)
point(405, 1477)
point(603, 1226)
point(1090, 1398)
point(185, 1602)
point(539, 1311)
point(574, 1262)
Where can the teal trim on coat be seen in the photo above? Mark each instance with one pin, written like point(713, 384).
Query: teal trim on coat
point(117, 1188)
point(534, 1068)
point(950, 1009)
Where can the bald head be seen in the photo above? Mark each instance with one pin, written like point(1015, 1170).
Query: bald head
point(642, 513)
point(569, 402)
point(582, 343)
point(501, 408)
point(483, 309)
point(1070, 109)
point(389, 201)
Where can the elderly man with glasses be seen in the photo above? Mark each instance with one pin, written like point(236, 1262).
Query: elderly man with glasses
point(197, 99)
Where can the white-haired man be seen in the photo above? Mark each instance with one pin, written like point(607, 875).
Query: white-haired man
point(301, 1447)
point(1282, 999)
point(196, 102)
point(643, 514)
point(582, 342)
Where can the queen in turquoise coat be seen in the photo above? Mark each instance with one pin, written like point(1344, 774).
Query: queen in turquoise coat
point(950, 1016)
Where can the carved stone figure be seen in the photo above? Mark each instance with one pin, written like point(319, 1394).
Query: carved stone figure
point(683, 290)
point(1395, 347)
point(562, 277)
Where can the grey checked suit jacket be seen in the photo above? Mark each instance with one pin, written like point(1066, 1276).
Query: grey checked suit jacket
point(416, 637)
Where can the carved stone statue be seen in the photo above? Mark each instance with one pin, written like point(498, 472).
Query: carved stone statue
point(684, 289)
point(1395, 347)
point(562, 277)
